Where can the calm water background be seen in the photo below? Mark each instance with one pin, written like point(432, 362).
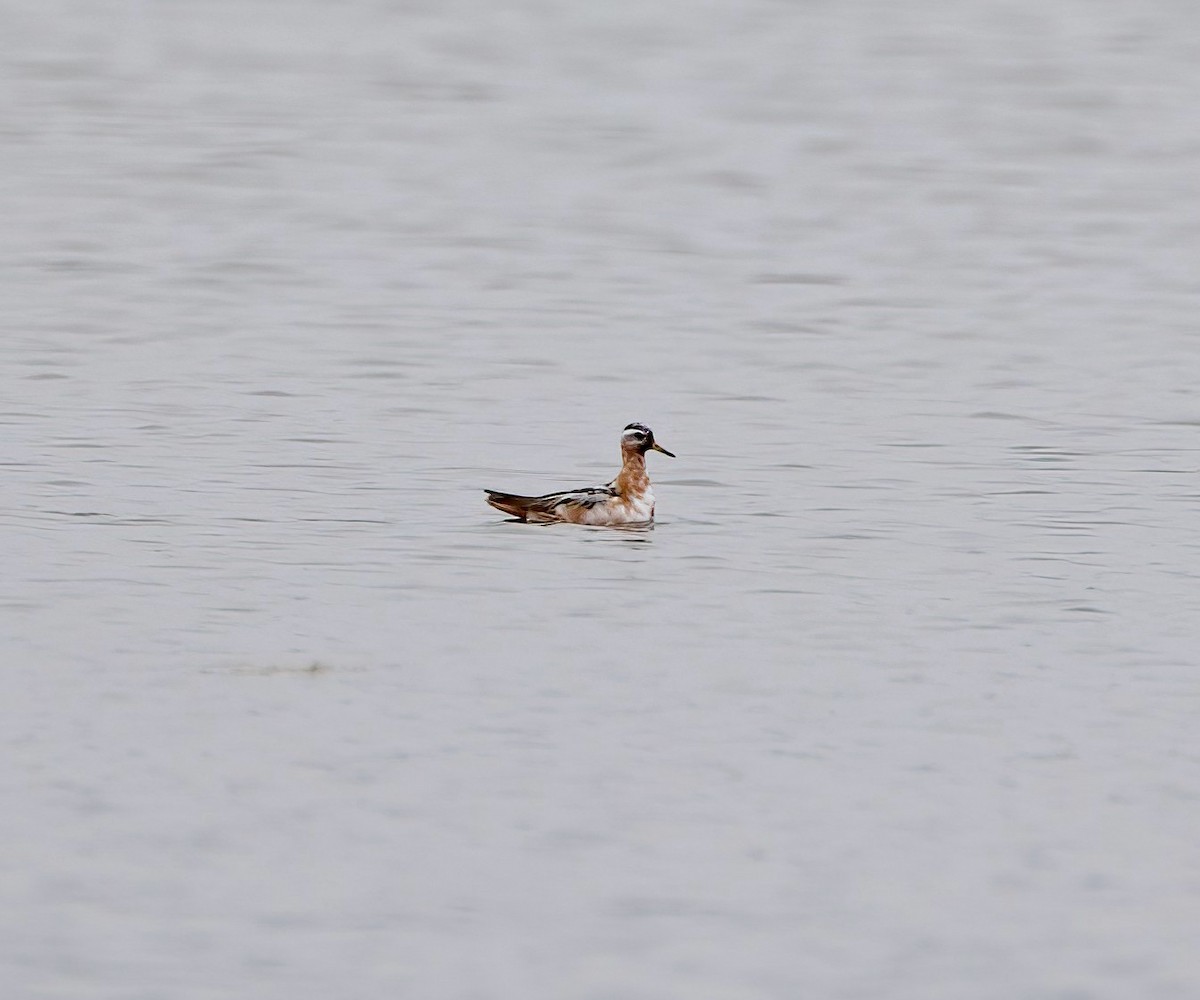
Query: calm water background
point(899, 699)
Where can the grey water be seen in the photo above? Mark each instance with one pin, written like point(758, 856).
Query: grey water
point(898, 699)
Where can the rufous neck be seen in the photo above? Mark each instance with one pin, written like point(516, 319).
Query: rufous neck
point(632, 477)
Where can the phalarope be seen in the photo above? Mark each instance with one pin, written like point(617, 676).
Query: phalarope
point(628, 499)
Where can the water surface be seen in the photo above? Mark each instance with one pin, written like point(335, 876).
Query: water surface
point(897, 699)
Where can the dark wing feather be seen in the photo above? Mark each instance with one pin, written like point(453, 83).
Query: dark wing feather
point(548, 506)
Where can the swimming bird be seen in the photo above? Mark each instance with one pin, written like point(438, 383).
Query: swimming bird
point(628, 499)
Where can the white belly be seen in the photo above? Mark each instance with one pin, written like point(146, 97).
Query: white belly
point(629, 510)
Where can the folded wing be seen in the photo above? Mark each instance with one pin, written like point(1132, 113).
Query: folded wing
point(551, 506)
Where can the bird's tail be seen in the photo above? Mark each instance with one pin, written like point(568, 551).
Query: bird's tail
point(510, 503)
